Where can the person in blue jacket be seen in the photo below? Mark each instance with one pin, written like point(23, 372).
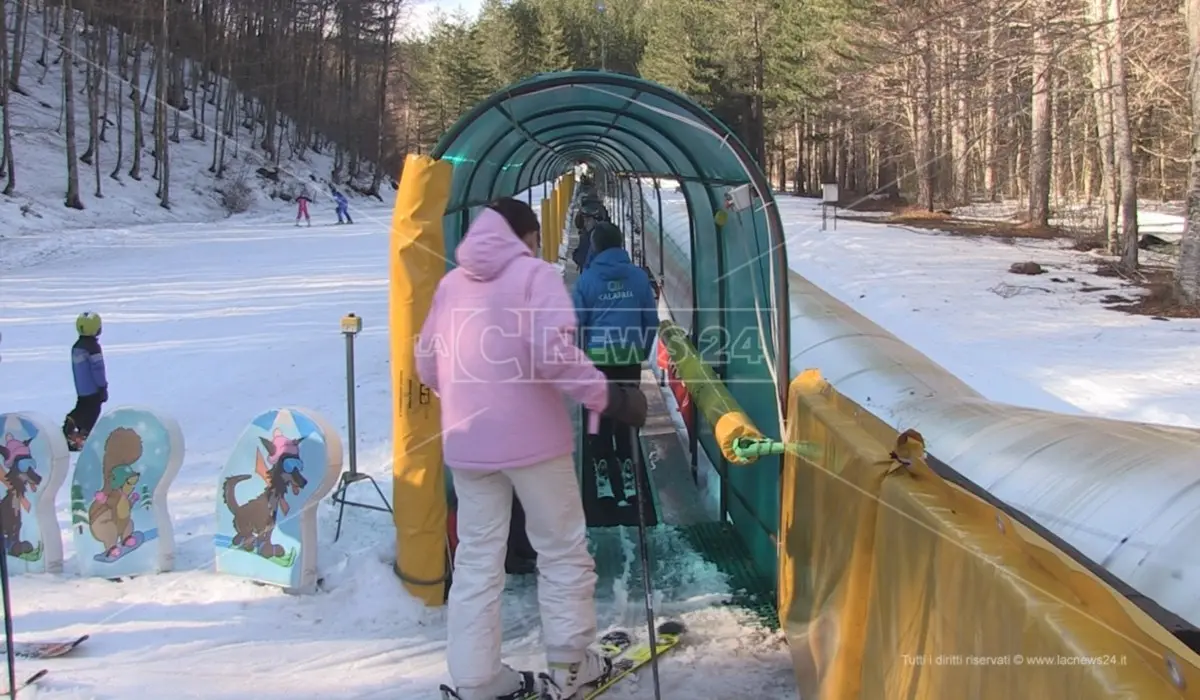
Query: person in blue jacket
point(343, 207)
point(91, 381)
point(618, 318)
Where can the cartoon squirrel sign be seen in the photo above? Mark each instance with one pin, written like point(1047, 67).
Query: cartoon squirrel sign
point(119, 494)
point(110, 517)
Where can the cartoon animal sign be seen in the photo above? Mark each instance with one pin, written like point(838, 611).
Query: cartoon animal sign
point(283, 464)
point(119, 494)
point(33, 465)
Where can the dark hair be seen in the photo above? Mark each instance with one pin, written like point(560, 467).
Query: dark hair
point(606, 236)
point(517, 214)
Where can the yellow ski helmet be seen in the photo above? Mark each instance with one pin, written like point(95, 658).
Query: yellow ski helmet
point(88, 324)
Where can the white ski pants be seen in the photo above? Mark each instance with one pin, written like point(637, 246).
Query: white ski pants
point(554, 520)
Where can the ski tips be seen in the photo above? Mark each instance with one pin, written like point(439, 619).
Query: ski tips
point(671, 627)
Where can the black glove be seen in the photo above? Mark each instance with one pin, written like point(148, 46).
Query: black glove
point(103, 394)
point(626, 405)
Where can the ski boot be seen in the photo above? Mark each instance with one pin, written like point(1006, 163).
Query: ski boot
point(74, 436)
point(628, 482)
point(604, 487)
point(571, 681)
point(528, 689)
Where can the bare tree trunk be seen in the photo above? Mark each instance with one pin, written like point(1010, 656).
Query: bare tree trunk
point(121, 58)
point(104, 68)
point(6, 88)
point(924, 123)
point(962, 172)
point(47, 29)
point(1123, 141)
point(162, 148)
point(1187, 270)
point(94, 106)
point(20, 39)
point(68, 79)
point(135, 97)
point(1040, 136)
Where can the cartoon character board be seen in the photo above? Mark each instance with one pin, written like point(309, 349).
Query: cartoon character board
point(119, 514)
point(33, 465)
point(283, 464)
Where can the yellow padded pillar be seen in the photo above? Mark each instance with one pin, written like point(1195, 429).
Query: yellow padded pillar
point(418, 261)
point(548, 231)
point(546, 228)
point(563, 201)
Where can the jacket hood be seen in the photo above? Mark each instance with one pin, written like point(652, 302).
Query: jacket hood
point(611, 261)
point(489, 246)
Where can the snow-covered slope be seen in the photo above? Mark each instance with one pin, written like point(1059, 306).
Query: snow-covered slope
point(34, 221)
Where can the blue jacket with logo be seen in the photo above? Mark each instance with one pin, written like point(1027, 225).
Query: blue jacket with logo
point(616, 309)
point(87, 364)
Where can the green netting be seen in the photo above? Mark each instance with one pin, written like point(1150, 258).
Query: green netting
point(624, 127)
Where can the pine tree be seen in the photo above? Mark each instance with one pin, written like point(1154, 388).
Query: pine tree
point(670, 53)
point(497, 45)
point(555, 56)
point(529, 46)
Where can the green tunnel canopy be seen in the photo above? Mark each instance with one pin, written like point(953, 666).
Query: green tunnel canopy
point(731, 293)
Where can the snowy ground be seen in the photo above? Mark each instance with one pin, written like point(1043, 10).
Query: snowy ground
point(1162, 219)
point(213, 323)
point(1026, 340)
point(1044, 341)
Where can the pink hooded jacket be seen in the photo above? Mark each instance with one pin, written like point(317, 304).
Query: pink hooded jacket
point(498, 349)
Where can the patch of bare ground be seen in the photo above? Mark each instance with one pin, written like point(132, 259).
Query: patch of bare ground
point(1161, 299)
point(902, 213)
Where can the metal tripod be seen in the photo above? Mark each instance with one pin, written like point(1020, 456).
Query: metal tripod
point(351, 325)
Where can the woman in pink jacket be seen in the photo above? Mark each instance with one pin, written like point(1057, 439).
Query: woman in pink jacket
point(498, 349)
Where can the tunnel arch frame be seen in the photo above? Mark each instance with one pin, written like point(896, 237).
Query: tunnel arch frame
point(559, 161)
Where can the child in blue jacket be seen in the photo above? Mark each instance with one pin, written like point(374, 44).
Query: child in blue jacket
point(343, 207)
point(618, 317)
point(91, 381)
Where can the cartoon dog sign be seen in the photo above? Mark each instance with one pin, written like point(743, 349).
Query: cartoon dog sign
point(283, 464)
point(33, 465)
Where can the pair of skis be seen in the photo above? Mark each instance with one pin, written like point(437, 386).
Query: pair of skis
point(627, 659)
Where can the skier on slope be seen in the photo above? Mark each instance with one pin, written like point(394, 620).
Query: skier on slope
point(302, 203)
point(506, 428)
point(618, 317)
point(343, 206)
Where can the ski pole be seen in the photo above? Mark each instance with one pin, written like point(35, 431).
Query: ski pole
point(10, 651)
point(638, 474)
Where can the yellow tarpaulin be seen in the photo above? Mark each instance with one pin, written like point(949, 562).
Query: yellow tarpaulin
point(896, 585)
point(418, 262)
